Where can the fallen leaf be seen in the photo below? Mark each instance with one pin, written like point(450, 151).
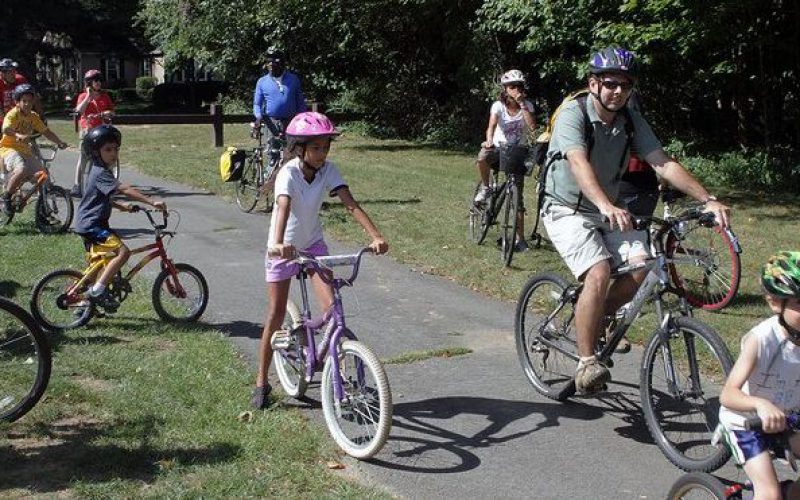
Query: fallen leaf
point(245, 416)
point(332, 464)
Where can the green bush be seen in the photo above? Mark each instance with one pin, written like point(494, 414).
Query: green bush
point(145, 86)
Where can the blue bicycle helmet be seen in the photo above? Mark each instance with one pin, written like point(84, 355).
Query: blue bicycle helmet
point(22, 89)
point(614, 60)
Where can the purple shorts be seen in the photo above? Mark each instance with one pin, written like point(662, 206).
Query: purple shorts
point(284, 269)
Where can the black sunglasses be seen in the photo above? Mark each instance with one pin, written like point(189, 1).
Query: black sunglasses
point(614, 84)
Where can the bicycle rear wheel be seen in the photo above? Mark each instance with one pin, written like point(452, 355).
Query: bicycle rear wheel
point(705, 265)
point(510, 224)
point(360, 423)
point(54, 210)
point(476, 229)
point(5, 219)
point(181, 298)
point(682, 375)
point(25, 361)
point(290, 363)
point(248, 189)
point(57, 305)
point(545, 336)
point(697, 485)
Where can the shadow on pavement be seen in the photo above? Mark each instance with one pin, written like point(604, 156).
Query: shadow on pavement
point(160, 192)
point(427, 435)
point(240, 328)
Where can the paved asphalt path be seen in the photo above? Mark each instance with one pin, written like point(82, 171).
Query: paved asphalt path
point(464, 427)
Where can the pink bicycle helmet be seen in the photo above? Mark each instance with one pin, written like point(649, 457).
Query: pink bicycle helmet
point(309, 125)
point(92, 74)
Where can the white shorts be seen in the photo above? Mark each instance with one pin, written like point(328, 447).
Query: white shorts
point(15, 162)
point(584, 239)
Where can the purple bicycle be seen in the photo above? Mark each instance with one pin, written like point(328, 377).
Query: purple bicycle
point(356, 399)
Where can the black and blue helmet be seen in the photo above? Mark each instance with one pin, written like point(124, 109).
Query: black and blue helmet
point(614, 60)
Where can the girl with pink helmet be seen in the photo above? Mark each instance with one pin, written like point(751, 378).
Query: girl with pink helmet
point(300, 187)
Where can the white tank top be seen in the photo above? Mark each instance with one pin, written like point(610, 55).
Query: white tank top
point(776, 376)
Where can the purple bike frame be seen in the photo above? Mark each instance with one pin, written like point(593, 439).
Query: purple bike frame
point(334, 316)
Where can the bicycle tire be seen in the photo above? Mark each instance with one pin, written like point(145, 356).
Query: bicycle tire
point(290, 363)
point(268, 189)
point(168, 302)
point(116, 169)
point(537, 343)
point(248, 186)
point(53, 309)
point(697, 485)
point(5, 219)
point(710, 279)
point(510, 224)
point(54, 210)
point(682, 418)
point(25, 361)
point(360, 397)
point(477, 211)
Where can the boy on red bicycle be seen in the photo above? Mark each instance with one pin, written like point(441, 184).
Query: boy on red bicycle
point(102, 146)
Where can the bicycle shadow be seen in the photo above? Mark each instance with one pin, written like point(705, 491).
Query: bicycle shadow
point(420, 442)
point(9, 289)
point(239, 328)
point(78, 450)
point(161, 192)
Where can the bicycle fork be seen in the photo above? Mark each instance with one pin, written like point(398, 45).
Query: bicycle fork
point(665, 331)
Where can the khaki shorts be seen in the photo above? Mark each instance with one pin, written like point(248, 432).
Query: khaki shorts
point(15, 162)
point(584, 239)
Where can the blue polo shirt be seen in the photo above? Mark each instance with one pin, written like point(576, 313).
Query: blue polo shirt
point(279, 98)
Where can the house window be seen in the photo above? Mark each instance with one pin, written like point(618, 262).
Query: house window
point(147, 67)
point(111, 69)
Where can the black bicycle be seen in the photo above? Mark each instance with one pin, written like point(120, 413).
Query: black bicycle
point(685, 362)
point(257, 178)
point(504, 200)
point(25, 361)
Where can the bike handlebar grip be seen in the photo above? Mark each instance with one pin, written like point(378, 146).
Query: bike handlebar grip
point(753, 424)
point(273, 252)
point(135, 208)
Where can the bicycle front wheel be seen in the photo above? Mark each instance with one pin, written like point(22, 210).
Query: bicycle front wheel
point(697, 485)
point(181, 297)
point(510, 223)
point(545, 336)
point(290, 363)
point(116, 170)
point(248, 187)
point(54, 210)
point(704, 264)
point(57, 304)
point(360, 422)
point(25, 361)
point(5, 218)
point(476, 229)
point(682, 375)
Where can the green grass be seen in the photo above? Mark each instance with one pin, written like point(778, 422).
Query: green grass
point(137, 407)
point(417, 195)
point(416, 356)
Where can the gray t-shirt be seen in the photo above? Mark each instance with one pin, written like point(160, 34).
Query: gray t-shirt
point(609, 146)
point(95, 207)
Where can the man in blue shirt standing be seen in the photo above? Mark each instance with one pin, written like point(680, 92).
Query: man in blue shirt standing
point(279, 94)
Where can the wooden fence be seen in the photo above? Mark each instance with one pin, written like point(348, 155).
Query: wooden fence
point(216, 118)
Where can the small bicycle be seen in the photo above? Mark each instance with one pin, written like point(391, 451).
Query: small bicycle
point(54, 208)
point(683, 369)
point(356, 399)
point(703, 485)
point(25, 361)
point(705, 258)
point(257, 179)
point(180, 293)
point(505, 199)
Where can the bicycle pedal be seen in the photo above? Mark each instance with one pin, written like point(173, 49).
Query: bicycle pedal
point(281, 339)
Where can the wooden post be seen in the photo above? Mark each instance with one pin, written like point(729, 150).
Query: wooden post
point(216, 121)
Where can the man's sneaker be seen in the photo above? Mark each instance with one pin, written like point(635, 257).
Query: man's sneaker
point(8, 206)
point(75, 191)
point(483, 194)
point(591, 375)
point(105, 300)
point(521, 246)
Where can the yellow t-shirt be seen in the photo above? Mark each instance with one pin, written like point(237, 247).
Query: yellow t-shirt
point(23, 124)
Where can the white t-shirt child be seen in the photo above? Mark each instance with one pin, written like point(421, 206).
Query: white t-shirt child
point(303, 227)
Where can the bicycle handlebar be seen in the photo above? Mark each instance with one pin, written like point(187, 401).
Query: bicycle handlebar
point(148, 212)
point(327, 262)
point(755, 424)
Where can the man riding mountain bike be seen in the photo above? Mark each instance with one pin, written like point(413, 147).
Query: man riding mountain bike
point(589, 149)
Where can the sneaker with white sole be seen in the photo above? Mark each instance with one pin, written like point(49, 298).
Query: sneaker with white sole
point(483, 194)
point(591, 375)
